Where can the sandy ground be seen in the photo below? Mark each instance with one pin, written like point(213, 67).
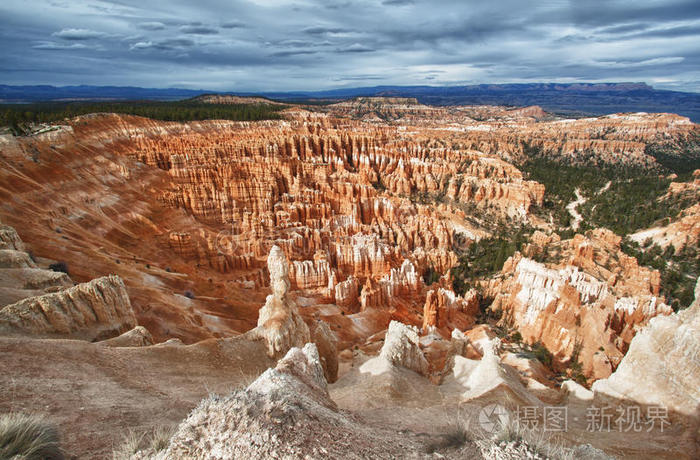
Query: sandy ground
point(96, 394)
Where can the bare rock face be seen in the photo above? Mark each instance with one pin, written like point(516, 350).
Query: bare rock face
point(89, 311)
point(444, 309)
point(662, 365)
point(326, 343)
point(279, 322)
point(284, 413)
point(11, 258)
point(19, 276)
point(489, 377)
point(9, 239)
point(137, 337)
point(402, 348)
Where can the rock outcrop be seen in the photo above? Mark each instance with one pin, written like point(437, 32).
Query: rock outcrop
point(20, 277)
point(326, 343)
point(279, 322)
point(662, 365)
point(91, 311)
point(137, 337)
point(402, 348)
point(444, 309)
point(284, 413)
point(9, 239)
point(489, 377)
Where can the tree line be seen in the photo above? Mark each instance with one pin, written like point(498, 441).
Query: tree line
point(19, 116)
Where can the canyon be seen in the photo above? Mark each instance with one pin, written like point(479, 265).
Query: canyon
point(307, 266)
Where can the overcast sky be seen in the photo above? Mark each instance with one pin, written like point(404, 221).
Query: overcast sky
point(321, 44)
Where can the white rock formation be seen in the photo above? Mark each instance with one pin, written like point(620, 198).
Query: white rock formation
point(662, 365)
point(279, 322)
point(402, 348)
point(285, 413)
point(488, 375)
point(326, 343)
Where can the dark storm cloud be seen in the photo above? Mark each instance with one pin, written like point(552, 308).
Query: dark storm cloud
point(232, 25)
point(314, 44)
point(152, 25)
point(198, 30)
point(320, 30)
point(397, 2)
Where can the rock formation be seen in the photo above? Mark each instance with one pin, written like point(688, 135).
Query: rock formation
point(90, 311)
point(279, 322)
point(402, 348)
point(326, 343)
point(593, 297)
point(444, 309)
point(20, 277)
point(662, 365)
point(9, 239)
point(285, 413)
point(351, 218)
point(137, 337)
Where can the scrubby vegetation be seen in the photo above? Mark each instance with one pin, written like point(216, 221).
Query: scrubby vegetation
point(679, 271)
point(528, 442)
point(152, 442)
point(28, 437)
point(634, 200)
point(667, 155)
point(633, 204)
point(18, 117)
point(59, 267)
point(486, 257)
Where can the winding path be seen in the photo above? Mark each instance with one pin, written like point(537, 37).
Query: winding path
point(571, 207)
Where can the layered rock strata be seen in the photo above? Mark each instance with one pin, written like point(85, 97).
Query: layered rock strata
point(89, 311)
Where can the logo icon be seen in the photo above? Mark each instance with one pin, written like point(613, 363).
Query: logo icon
point(492, 417)
point(226, 241)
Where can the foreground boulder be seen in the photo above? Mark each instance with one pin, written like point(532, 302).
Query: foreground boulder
point(91, 311)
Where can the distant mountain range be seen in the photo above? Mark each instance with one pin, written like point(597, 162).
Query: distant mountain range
point(570, 99)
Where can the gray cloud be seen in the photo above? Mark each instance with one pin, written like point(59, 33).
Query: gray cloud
point(151, 25)
point(198, 30)
point(316, 44)
point(232, 25)
point(59, 46)
point(397, 2)
point(321, 30)
point(165, 45)
point(356, 48)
